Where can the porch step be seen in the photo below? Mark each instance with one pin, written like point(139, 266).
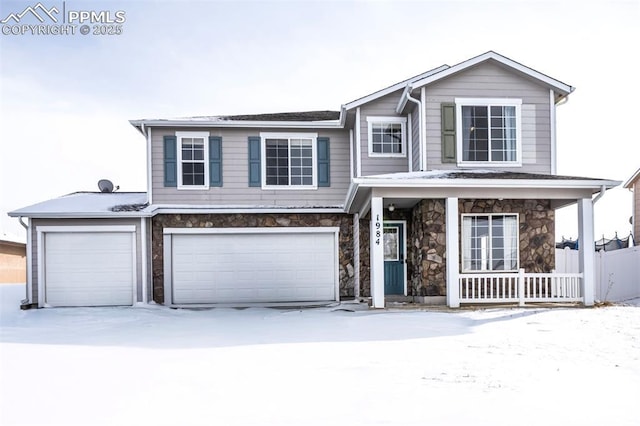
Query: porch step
point(421, 300)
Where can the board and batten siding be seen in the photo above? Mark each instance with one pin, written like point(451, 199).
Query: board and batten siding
point(35, 223)
point(382, 107)
point(235, 190)
point(489, 80)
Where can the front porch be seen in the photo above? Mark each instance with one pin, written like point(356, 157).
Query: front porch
point(496, 241)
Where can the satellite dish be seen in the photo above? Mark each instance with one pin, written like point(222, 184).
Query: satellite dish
point(105, 185)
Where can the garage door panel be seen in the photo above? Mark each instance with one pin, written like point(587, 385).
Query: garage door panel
point(89, 268)
point(231, 268)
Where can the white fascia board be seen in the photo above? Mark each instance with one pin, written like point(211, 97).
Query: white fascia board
point(391, 89)
point(80, 215)
point(167, 209)
point(486, 183)
point(629, 184)
point(351, 195)
point(402, 102)
point(329, 124)
point(561, 87)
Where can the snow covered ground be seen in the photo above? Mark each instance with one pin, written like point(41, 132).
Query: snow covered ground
point(157, 366)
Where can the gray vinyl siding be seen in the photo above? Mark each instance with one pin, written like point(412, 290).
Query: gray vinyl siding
point(415, 132)
point(235, 169)
point(87, 222)
point(382, 107)
point(636, 212)
point(488, 80)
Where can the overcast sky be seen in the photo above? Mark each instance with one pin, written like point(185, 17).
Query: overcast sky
point(65, 100)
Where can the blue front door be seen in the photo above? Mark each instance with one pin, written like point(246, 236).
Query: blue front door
point(394, 258)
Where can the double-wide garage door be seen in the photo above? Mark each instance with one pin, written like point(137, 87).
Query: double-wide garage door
point(248, 266)
point(88, 268)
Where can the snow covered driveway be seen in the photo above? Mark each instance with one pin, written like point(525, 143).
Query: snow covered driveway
point(157, 366)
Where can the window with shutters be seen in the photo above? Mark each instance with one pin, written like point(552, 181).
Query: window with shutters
point(193, 164)
point(488, 132)
point(289, 160)
point(387, 136)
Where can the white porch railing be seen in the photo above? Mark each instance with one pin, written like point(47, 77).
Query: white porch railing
point(520, 287)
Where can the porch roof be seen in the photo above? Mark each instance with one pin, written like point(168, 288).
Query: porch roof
point(405, 189)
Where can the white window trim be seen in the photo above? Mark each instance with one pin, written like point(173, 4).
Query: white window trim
point(179, 136)
point(488, 102)
point(463, 244)
point(371, 120)
point(263, 159)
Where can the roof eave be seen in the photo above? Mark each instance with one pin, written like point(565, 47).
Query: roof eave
point(629, 184)
point(488, 183)
point(380, 93)
point(328, 124)
point(78, 215)
point(557, 85)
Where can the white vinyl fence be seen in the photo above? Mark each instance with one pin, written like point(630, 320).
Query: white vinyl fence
point(617, 272)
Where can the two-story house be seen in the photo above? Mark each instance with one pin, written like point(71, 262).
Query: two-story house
point(441, 188)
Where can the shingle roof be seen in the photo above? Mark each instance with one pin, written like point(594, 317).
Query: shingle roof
point(287, 116)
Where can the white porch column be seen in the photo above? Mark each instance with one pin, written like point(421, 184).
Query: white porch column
point(377, 253)
point(453, 252)
point(586, 249)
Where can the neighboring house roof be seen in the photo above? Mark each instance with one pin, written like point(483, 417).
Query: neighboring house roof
point(88, 204)
point(10, 240)
point(632, 180)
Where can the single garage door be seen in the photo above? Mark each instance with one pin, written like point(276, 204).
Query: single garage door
point(253, 267)
point(89, 268)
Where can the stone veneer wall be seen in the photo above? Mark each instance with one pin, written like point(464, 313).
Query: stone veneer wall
point(536, 229)
point(427, 239)
point(343, 221)
point(427, 254)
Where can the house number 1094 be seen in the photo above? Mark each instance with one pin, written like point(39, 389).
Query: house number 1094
point(378, 232)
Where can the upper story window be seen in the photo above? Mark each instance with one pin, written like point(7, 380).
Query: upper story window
point(387, 136)
point(289, 160)
point(490, 242)
point(193, 164)
point(489, 132)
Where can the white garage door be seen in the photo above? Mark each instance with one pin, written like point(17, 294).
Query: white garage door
point(253, 267)
point(89, 268)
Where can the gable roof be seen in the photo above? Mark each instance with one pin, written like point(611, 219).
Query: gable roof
point(632, 179)
point(562, 88)
point(390, 89)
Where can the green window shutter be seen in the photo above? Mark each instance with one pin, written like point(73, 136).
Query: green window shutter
point(215, 161)
point(254, 161)
point(448, 133)
point(170, 161)
point(323, 162)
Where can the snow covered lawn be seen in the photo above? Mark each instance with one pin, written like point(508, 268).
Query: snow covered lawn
point(157, 366)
